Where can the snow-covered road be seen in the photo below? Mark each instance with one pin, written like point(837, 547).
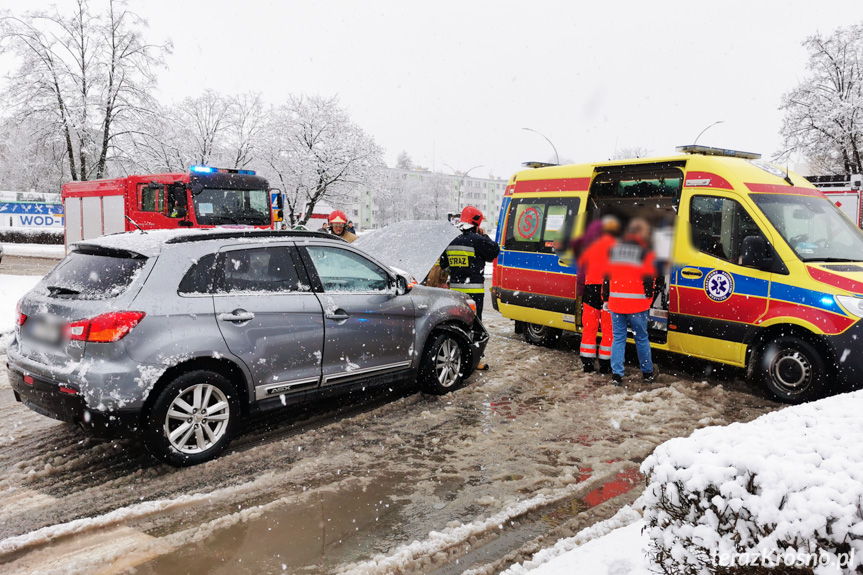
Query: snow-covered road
point(525, 454)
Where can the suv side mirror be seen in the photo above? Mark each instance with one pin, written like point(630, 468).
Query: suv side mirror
point(755, 253)
point(402, 286)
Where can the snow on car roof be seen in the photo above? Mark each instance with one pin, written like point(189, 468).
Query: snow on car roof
point(147, 243)
point(151, 242)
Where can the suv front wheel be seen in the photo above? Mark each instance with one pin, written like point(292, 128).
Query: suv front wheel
point(443, 364)
point(192, 419)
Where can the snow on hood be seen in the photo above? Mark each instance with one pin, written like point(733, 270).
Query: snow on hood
point(411, 245)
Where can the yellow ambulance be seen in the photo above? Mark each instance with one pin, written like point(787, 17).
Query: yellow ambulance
point(761, 270)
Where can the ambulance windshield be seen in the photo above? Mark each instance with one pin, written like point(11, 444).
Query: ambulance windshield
point(216, 206)
point(814, 228)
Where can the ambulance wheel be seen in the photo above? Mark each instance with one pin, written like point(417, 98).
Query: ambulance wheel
point(540, 334)
point(792, 370)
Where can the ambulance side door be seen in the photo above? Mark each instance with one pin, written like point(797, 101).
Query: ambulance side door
point(718, 297)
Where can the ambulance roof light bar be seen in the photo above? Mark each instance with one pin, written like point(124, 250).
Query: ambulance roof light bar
point(708, 151)
point(209, 170)
point(537, 165)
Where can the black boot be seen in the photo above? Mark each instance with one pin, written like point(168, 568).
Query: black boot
point(587, 363)
point(604, 366)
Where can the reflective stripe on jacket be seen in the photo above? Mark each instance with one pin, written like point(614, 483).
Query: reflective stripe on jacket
point(630, 276)
point(465, 259)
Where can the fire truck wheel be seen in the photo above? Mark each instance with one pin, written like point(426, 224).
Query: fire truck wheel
point(792, 370)
point(540, 334)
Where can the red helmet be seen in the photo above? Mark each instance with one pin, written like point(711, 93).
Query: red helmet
point(471, 215)
point(338, 217)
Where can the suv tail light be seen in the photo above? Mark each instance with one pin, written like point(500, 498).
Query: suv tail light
point(107, 327)
point(21, 317)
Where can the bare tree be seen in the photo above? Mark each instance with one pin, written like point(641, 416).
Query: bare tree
point(824, 114)
point(30, 160)
point(82, 74)
point(314, 152)
point(204, 123)
point(630, 153)
point(246, 126)
point(404, 161)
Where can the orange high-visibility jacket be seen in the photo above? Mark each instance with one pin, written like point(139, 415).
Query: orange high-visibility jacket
point(593, 262)
point(631, 274)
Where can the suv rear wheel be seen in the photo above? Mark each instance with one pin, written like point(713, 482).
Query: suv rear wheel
point(192, 419)
point(443, 365)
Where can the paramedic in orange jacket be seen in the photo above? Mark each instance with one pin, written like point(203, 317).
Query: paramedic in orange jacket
point(630, 287)
point(593, 265)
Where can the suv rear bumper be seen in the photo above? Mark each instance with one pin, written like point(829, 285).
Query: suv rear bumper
point(46, 398)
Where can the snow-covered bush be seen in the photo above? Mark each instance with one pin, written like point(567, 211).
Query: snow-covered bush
point(785, 489)
point(31, 236)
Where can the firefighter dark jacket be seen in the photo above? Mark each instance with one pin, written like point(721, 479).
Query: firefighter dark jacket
point(465, 260)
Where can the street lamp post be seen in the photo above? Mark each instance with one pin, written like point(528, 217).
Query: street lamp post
point(460, 182)
point(705, 129)
point(557, 157)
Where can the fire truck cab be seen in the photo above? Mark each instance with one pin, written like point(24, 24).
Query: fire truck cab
point(205, 197)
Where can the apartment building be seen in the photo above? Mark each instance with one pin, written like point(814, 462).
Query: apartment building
point(420, 193)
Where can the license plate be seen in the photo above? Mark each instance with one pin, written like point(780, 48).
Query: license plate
point(45, 332)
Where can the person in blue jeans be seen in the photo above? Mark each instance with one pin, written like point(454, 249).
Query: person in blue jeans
point(628, 291)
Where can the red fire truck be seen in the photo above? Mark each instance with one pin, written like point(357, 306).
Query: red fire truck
point(845, 192)
point(205, 197)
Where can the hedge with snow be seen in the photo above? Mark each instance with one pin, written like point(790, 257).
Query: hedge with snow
point(786, 486)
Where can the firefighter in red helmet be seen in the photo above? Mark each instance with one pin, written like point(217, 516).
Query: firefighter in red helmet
point(337, 221)
point(466, 256)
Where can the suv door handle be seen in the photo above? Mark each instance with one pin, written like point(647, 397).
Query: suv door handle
point(338, 315)
point(237, 315)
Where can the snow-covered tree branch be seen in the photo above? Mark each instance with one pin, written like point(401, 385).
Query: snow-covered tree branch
point(824, 114)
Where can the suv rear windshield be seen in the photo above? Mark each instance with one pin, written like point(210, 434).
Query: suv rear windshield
point(92, 275)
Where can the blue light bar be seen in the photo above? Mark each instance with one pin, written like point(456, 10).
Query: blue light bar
point(209, 170)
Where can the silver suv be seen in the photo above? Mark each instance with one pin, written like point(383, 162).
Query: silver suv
point(176, 335)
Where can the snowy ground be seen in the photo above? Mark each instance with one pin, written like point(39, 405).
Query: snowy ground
point(526, 454)
point(55, 251)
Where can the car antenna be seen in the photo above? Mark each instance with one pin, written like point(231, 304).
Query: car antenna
point(134, 223)
point(787, 177)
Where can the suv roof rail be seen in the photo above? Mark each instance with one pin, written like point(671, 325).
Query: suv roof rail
point(222, 235)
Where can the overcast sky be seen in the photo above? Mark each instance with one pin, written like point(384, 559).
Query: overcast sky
point(455, 82)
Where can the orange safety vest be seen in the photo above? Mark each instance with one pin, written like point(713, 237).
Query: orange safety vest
point(593, 262)
point(631, 275)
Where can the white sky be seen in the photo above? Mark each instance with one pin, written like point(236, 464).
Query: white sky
point(454, 82)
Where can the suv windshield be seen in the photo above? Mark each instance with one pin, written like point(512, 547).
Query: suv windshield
point(91, 275)
point(814, 228)
point(215, 206)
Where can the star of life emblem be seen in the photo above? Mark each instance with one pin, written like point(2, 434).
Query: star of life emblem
point(719, 285)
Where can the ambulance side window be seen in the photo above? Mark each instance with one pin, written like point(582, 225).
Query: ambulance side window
point(719, 226)
point(535, 224)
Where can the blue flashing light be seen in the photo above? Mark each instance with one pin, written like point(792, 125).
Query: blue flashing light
point(827, 300)
point(247, 172)
point(203, 169)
